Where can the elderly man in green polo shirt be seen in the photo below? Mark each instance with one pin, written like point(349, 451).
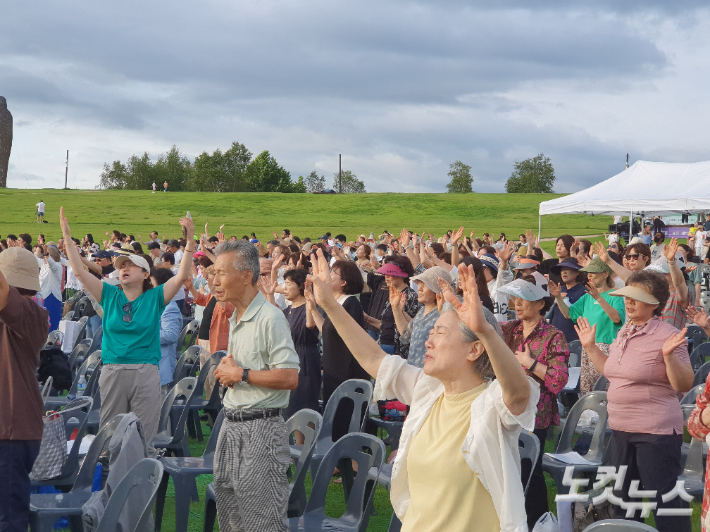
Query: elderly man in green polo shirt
point(252, 455)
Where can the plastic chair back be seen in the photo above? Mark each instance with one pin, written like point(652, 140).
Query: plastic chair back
point(78, 354)
point(183, 390)
point(188, 364)
point(97, 339)
point(55, 338)
point(308, 422)
point(79, 409)
point(369, 452)
point(703, 350)
point(360, 392)
point(85, 478)
point(214, 401)
point(697, 334)
point(595, 401)
point(188, 336)
point(702, 374)
point(601, 384)
point(619, 525)
point(69, 316)
point(80, 306)
point(206, 370)
point(142, 479)
point(92, 360)
point(529, 447)
point(575, 346)
point(214, 435)
point(690, 397)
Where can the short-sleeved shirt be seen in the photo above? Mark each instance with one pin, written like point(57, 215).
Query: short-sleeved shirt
point(260, 340)
point(23, 330)
point(137, 341)
point(40, 206)
point(587, 307)
point(641, 398)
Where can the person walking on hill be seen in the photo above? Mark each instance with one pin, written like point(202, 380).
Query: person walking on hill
point(40, 212)
point(153, 187)
point(165, 186)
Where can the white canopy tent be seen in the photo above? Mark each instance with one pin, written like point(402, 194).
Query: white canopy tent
point(645, 187)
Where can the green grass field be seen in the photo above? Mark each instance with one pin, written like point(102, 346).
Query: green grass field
point(139, 213)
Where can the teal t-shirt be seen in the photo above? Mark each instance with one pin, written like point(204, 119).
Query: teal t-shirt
point(587, 307)
point(137, 342)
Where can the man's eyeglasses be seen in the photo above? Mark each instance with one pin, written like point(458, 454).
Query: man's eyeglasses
point(127, 317)
point(630, 256)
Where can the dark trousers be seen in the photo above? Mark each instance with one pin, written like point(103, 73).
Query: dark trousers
point(536, 497)
point(16, 460)
point(654, 460)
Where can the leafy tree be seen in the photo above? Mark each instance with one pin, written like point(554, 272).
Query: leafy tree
point(351, 184)
point(264, 174)
point(299, 186)
point(534, 175)
point(208, 174)
point(141, 172)
point(315, 182)
point(235, 162)
point(114, 176)
point(460, 178)
point(174, 168)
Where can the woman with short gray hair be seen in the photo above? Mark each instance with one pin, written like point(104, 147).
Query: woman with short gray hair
point(461, 434)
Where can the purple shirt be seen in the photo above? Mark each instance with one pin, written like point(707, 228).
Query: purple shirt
point(641, 398)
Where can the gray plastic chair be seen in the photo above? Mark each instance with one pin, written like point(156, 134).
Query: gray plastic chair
point(619, 525)
point(703, 351)
point(690, 397)
point(702, 374)
point(306, 421)
point(82, 321)
point(697, 334)
point(78, 355)
point(595, 401)
point(97, 339)
point(173, 439)
point(55, 338)
point(601, 384)
point(69, 316)
point(79, 409)
point(575, 346)
point(188, 364)
point(45, 509)
point(529, 448)
point(89, 363)
point(188, 337)
point(360, 392)
point(693, 472)
point(184, 471)
point(144, 476)
point(369, 452)
point(194, 427)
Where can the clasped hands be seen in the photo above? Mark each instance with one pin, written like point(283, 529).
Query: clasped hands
point(228, 372)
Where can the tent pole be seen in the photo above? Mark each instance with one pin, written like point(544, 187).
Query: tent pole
point(539, 227)
point(631, 225)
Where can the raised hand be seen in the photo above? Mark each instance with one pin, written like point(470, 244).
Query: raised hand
point(583, 260)
point(593, 291)
point(188, 284)
point(310, 299)
point(507, 251)
point(529, 240)
point(266, 286)
point(278, 262)
point(471, 310)
point(322, 283)
point(189, 226)
point(555, 290)
point(587, 334)
point(458, 234)
point(396, 299)
point(404, 237)
point(699, 317)
point(64, 224)
point(600, 250)
point(575, 247)
point(674, 342)
point(670, 250)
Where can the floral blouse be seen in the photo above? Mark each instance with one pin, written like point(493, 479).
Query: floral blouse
point(411, 307)
point(549, 347)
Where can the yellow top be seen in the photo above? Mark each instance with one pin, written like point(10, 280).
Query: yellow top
point(445, 493)
point(692, 231)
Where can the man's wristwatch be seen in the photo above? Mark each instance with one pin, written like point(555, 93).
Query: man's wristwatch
point(245, 375)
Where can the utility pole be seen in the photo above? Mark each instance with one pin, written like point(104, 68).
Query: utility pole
point(627, 161)
point(340, 173)
point(66, 171)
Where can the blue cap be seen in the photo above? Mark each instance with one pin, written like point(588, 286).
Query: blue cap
point(490, 261)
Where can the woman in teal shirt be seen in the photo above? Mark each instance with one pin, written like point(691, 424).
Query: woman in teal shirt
point(601, 309)
point(130, 350)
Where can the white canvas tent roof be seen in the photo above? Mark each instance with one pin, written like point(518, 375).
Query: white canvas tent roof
point(645, 187)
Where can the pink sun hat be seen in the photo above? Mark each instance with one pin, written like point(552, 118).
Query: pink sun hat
point(392, 269)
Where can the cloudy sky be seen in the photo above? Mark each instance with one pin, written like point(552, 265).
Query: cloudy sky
point(401, 89)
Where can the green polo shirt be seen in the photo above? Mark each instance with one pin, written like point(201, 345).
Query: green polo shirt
point(260, 340)
point(588, 308)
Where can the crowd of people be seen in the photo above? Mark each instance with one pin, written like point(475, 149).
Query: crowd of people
point(472, 334)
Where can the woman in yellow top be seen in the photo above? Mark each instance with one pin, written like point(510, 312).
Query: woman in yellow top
point(458, 467)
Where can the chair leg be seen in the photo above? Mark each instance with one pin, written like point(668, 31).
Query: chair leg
point(210, 515)
point(41, 522)
point(75, 523)
point(184, 485)
point(191, 424)
point(198, 424)
point(160, 501)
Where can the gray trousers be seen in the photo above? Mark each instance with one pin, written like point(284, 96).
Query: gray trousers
point(250, 465)
point(132, 388)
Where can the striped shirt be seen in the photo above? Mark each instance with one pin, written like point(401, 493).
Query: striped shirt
point(673, 313)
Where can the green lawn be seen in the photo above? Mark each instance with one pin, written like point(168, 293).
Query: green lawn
point(138, 213)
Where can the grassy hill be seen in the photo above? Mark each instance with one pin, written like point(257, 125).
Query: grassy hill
point(139, 212)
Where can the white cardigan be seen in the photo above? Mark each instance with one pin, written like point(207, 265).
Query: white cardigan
point(490, 448)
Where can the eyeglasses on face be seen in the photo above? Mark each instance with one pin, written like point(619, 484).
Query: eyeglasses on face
point(634, 256)
point(127, 317)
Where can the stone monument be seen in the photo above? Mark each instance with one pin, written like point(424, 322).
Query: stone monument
point(5, 140)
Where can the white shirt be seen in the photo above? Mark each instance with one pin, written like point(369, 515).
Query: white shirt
point(72, 282)
point(50, 278)
point(500, 299)
point(657, 251)
point(490, 448)
point(40, 206)
point(613, 238)
point(180, 293)
point(178, 257)
point(700, 237)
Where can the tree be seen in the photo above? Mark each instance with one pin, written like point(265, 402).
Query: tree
point(460, 178)
point(114, 176)
point(315, 182)
point(264, 174)
point(174, 168)
point(534, 175)
point(351, 184)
